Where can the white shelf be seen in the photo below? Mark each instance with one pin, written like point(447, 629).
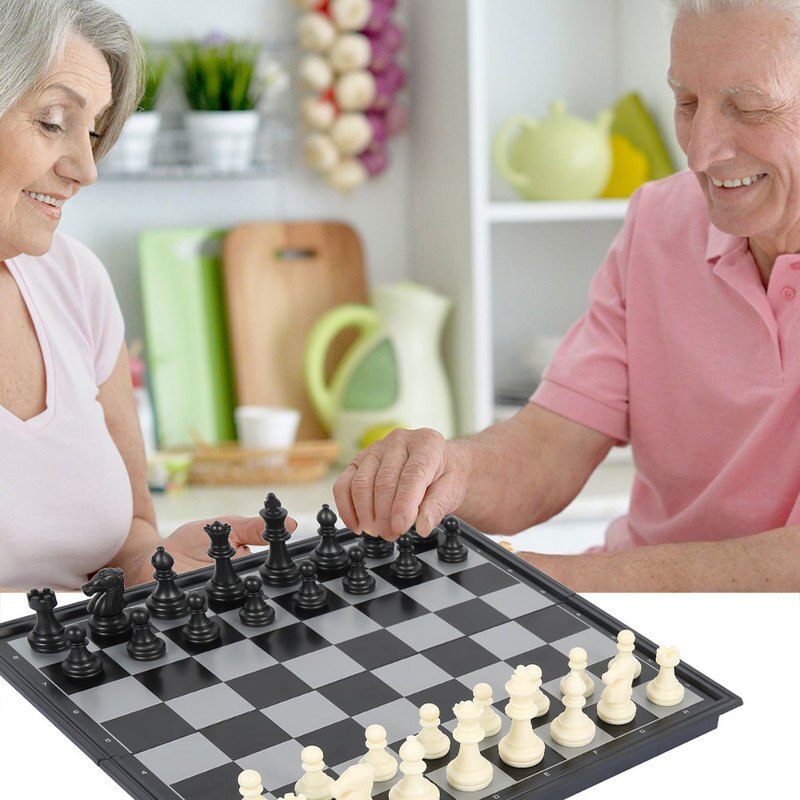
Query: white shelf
point(556, 211)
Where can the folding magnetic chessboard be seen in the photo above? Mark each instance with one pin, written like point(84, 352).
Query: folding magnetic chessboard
point(187, 725)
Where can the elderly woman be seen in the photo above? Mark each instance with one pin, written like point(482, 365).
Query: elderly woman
point(690, 352)
point(73, 489)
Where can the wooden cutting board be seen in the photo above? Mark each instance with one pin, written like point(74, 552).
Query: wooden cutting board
point(279, 278)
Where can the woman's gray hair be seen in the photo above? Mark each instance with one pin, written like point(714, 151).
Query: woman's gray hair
point(33, 35)
point(676, 7)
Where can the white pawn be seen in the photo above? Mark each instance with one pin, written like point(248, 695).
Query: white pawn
point(435, 741)
point(378, 757)
point(578, 661)
point(355, 783)
point(250, 787)
point(292, 796)
point(413, 785)
point(490, 719)
point(665, 689)
point(314, 784)
point(572, 727)
point(540, 699)
point(625, 644)
point(615, 705)
point(521, 747)
point(469, 771)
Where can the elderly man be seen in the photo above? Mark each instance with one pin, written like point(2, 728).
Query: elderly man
point(690, 352)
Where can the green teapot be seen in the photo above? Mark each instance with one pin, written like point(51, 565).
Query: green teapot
point(558, 158)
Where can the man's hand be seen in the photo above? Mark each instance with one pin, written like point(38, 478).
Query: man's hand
point(411, 477)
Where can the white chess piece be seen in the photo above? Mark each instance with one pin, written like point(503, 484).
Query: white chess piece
point(615, 705)
point(435, 741)
point(625, 644)
point(490, 719)
point(665, 689)
point(250, 787)
point(572, 727)
point(469, 771)
point(540, 700)
point(578, 661)
point(378, 757)
point(521, 747)
point(293, 796)
point(413, 785)
point(355, 783)
point(314, 784)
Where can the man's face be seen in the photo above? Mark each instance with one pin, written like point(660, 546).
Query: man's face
point(736, 78)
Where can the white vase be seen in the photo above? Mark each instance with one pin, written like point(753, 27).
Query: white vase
point(133, 151)
point(223, 140)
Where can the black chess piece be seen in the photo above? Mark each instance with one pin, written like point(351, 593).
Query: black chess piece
point(255, 611)
point(47, 635)
point(311, 596)
point(375, 547)
point(329, 556)
point(423, 543)
point(80, 663)
point(144, 644)
point(406, 566)
point(199, 629)
point(167, 601)
point(278, 569)
point(225, 588)
point(108, 620)
point(452, 550)
point(358, 579)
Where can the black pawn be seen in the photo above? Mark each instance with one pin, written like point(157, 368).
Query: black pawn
point(375, 547)
point(329, 555)
point(47, 635)
point(225, 588)
point(167, 601)
point(452, 549)
point(199, 629)
point(406, 566)
point(358, 579)
point(311, 596)
point(144, 645)
point(278, 569)
point(423, 543)
point(80, 663)
point(255, 611)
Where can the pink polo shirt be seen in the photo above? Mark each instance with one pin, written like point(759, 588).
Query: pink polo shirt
point(687, 357)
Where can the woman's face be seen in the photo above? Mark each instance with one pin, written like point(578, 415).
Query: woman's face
point(46, 148)
point(736, 78)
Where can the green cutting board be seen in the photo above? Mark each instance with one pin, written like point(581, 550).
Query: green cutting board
point(186, 332)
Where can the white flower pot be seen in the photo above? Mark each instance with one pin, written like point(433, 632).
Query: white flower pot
point(133, 151)
point(223, 140)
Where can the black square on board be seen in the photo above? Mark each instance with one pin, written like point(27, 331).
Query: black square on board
point(376, 649)
point(339, 742)
point(358, 693)
point(227, 635)
point(210, 785)
point(111, 672)
point(269, 686)
point(248, 733)
point(472, 616)
point(334, 604)
point(444, 695)
point(177, 679)
point(552, 623)
point(460, 656)
point(428, 573)
point(290, 641)
point(389, 609)
point(483, 579)
point(552, 663)
point(148, 728)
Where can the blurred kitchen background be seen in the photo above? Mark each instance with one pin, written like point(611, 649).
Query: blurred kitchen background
point(431, 207)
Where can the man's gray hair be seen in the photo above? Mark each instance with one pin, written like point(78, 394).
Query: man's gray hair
point(676, 7)
point(33, 35)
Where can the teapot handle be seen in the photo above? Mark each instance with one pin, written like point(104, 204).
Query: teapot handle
point(500, 149)
point(324, 396)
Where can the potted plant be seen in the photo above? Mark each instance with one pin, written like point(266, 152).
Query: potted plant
point(219, 78)
point(134, 149)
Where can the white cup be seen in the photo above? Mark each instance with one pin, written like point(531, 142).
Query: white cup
point(266, 427)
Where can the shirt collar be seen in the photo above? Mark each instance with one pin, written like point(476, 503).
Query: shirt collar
point(720, 244)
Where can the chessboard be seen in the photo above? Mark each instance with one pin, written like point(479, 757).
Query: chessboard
point(186, 724)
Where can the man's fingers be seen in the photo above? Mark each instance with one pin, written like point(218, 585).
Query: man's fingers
point(441, 498)
point(362, 489)
point(342, 496)
point(387, 480)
